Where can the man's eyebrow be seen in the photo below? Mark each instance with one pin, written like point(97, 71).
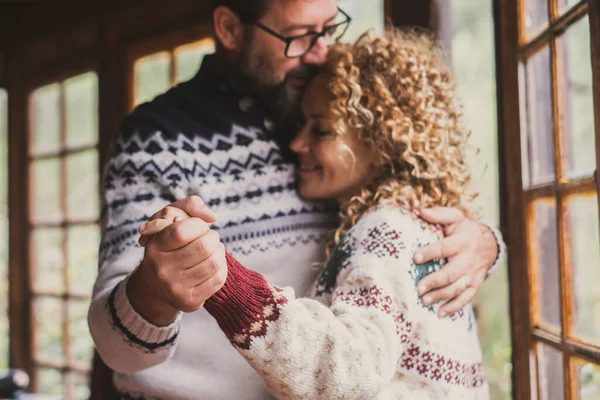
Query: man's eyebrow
point(307, 26)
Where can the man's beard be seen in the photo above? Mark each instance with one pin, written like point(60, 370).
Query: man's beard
point(282, 100)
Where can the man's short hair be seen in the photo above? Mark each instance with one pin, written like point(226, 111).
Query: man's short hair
point(249, 11)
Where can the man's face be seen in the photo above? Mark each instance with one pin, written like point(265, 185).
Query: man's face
point(277, 79)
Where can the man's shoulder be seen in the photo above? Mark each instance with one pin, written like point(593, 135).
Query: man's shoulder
point(186, 109)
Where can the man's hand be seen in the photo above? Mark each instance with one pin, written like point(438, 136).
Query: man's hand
point(184, 264)
point(471, 250)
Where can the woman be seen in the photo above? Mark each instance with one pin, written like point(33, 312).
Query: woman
point(383, 138)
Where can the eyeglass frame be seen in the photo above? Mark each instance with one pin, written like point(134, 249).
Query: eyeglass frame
point(288, 40)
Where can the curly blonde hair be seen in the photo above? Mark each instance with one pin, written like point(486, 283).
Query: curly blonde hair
point(397, 92)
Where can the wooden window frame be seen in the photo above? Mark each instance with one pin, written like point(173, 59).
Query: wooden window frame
point(511, 47)
point(163, 42)
point(21, 291)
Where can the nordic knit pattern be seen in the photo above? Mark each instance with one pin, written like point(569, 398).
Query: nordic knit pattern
point(364, 333)
point(197, 139)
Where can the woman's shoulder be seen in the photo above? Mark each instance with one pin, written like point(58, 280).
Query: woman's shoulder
point(387, 221)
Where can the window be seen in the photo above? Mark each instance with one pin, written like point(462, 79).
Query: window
point(63, 230)
point(3, 229)
point(365, 15)
point(551, 212)
point(157, 72)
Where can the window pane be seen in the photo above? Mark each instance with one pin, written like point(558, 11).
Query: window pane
point(45, 197)
point(365, 15)
point(589, 380)
point(82, 110)
point(539, 151)
point(50, 381)
point(550, 362)
point(83, 242)
point(3, 229)
point(81, 341)
point(579, 153)
point(152, 76)
point(45, 119)
point(582, 214)
point(544, 260)
point(82, 184)
point(536, 15)
point(565, 4)
point(189, 57)
point(47, 259)
point(48, 313)
point(79, 385)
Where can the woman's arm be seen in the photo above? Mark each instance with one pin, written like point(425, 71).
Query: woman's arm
point(304, 349)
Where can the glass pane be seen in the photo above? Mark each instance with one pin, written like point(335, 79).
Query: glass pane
point(589, 380)
point(582, 214)
point(540, 131)
point(551, 370)
point(565, 4)
point(579, 153)
point(189, 57)
point(365, 15)
point(45, 119)
point(152, 76)
point(82, 110)
point(82, 185)
point(45, 197)
point(536, 15)
point(83, 243)
point(3, 229)
point(544, 260)
point(79, 385)
point(48, 313)
point(47, 260)
point(50, 381)
point(81, 341)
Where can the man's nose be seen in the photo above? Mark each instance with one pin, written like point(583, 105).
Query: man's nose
point(318, 54)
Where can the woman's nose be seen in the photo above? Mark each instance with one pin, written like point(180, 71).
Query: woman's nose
point(300, 144)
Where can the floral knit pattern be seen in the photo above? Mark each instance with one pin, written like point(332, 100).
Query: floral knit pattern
point(363, 333)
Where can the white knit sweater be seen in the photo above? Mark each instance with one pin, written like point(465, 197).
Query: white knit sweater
point(364, 334)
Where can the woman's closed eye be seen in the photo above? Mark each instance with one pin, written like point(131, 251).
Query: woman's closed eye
point(320, 132)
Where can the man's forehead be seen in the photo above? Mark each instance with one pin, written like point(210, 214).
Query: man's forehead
point(289, 12)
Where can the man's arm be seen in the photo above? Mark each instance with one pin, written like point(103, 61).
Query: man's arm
point(132, 328)
point(473, 250)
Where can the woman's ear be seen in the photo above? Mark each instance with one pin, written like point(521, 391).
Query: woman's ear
point(229, 30)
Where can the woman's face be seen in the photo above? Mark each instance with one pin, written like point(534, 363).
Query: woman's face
point(331, 167)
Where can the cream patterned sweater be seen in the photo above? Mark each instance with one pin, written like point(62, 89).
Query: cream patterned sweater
point(362, 333)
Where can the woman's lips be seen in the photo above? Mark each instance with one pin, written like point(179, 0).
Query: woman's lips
point(308, 169)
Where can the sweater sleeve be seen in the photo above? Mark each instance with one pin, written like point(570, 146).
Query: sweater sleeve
point(144, 174)
point(303, 348)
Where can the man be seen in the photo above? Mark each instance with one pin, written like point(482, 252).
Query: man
point(223, 136)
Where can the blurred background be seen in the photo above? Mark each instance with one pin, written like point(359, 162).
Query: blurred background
point(524, 73)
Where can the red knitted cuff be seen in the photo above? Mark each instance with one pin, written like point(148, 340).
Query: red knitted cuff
point(244, 304)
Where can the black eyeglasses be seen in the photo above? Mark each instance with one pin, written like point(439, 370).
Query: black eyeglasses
point(297, 46)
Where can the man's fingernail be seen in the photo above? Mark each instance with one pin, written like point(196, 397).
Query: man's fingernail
point(427, 300)
point(419, 258)
point(422, 289)
point(443, 314)
point(143, 227)
point(176, 219)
